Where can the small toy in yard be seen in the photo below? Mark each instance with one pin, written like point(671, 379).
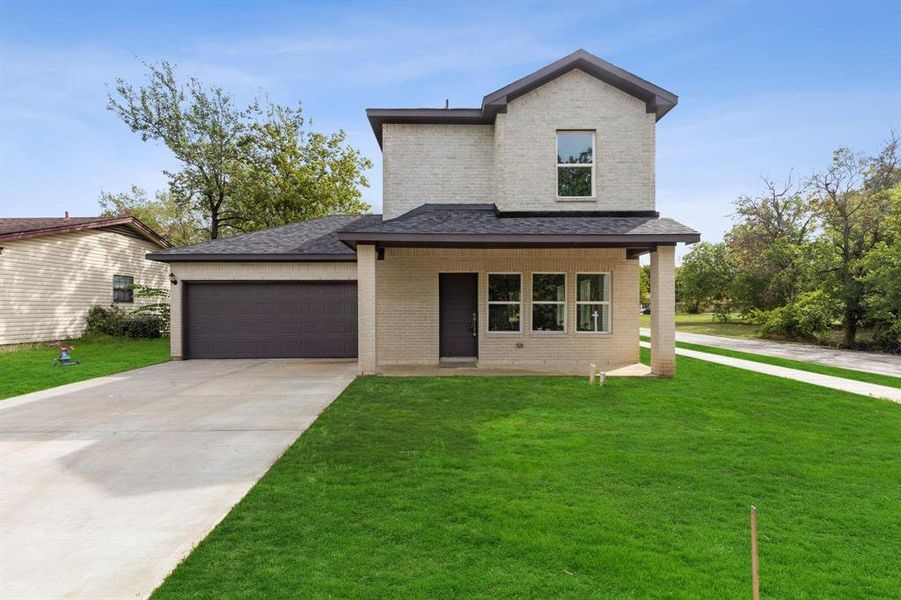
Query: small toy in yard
point(64, 360)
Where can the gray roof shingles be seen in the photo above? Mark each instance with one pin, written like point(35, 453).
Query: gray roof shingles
point(315, 237)
point(322, 238)
point(484, 219)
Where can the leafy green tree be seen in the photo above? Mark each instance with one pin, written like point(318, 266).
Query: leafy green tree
point(881, 266)
point(851, 207)
point(769, 245)
point(706, 276)
point(644, 285)
point(173, 220)
point(288, 174)
point(241, 168)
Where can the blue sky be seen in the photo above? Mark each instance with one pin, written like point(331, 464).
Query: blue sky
point(764, 87)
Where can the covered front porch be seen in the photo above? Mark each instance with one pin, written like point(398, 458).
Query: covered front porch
point(543, 294)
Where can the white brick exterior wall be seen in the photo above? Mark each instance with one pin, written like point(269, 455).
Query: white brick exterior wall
point(526, 152)
point(407, 307)
point(439, 164)
point(513, 162)
point(246, 271)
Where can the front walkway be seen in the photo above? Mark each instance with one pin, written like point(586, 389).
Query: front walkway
point(871, 362)
point(835, 383)
point(108, 483)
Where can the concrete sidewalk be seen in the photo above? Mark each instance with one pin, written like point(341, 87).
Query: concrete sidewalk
point(871, 362)
point(108, 483)
point(827, 381)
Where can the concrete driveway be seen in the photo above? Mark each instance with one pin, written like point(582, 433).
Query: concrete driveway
point(107, 484)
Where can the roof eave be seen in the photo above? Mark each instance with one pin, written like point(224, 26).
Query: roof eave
point(132, 222)
point(255, 257)
point(352, 238)
point(657, 99)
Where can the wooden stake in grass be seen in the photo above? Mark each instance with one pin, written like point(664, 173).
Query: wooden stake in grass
point(755, 563)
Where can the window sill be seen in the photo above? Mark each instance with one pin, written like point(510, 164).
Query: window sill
point(594, 333)
point(577, 198)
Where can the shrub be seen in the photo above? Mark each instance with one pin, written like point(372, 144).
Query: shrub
point(118, 322)
point(143, 326)
point(109, 321)
point(810, 315)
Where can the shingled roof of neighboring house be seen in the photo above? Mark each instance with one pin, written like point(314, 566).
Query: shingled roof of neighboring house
point(31, 227)
point(303, 241)
point(481, 224)
point(657, 100)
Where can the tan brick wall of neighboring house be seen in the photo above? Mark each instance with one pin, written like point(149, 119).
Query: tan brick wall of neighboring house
point(247, 271)
point(436, 164)
point(407, 308)
point(525, 147)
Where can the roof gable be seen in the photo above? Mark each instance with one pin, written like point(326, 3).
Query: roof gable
point(25, 228)
point(657, 100)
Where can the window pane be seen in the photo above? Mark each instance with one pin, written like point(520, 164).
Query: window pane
point(503, 317)
point(503, 288)
point(548, 317)
point(593, 317)
point(591, 287)
point(574, 148)
point(121, 290)
point(549, 288)
point(574, 181)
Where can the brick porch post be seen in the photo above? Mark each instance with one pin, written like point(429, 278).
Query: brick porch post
point(366, 261)
point(663, 311)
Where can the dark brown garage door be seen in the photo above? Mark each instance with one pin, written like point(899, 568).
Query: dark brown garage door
point(271, 320)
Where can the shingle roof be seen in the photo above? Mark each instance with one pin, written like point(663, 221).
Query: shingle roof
point(32, 227)
point(657, 100)
point(306, 240)
point(20, 225)
point(461, 222)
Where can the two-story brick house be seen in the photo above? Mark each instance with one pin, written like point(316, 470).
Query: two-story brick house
point(510, 235)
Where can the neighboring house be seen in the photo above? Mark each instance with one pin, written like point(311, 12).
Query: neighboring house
point(510, 236)
point(53, 270)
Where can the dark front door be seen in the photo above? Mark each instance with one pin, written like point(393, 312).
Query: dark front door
point(314, 319)
point(457, 305)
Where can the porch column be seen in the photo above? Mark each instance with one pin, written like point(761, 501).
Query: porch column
point(366, 261)
point(663, 311)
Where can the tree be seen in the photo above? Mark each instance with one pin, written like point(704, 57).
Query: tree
point(644, 285)
point(851, 216)
point(769, 245)
point(706, 276)
point(172, 219)
point(881, 266)
point(288, 174)
point(241, 168)
point(201, 126)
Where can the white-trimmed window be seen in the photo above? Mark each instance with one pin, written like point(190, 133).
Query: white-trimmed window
point(505, 302)
point(122, 288)
point(593, 302)
point(549, 302)
point(575, 164)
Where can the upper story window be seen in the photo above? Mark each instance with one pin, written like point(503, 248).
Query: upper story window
point(122, 290)
point(575, 164)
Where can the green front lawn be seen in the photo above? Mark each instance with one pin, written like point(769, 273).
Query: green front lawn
point(545, 488)
point(704, 323)
point(31, 368)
